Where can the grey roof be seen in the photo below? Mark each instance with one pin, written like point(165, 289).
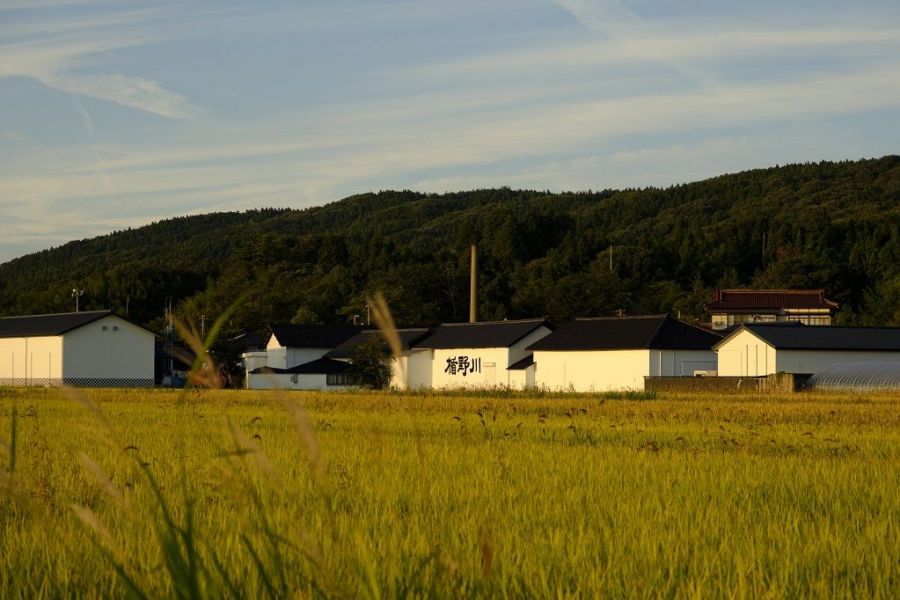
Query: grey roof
point(521, 365)
point(657, 332)
point(487, 334)
point(321, 366)
point(48, 325)
point(313, 336)
point(824, 337)
point(407, 338)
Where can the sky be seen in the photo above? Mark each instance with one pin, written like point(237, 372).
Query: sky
point(117, 113)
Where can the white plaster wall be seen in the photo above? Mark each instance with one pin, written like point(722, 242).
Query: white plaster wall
point(813, 361)
point(592, 371)
point(35, 358)
point(680, 363)
point(494, 362)
point(418, 369)
point(745, 355)
point(92, 352)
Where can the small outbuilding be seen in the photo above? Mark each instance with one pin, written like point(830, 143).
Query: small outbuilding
point(319, 374)
point(755, 350)
point(405, 370)
point(81, 349)
point(475, 355)
point(617, 353)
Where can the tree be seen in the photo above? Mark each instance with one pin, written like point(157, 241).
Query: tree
point(371, 363)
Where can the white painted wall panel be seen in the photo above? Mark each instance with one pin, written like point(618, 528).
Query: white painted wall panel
point(120, 351)
point(813, 361)
point(592, 371)
point(35, 360)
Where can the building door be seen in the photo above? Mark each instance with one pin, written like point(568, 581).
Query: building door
point(490, 374)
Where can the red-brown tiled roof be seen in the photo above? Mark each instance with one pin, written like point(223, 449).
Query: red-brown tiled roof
point(773, 299)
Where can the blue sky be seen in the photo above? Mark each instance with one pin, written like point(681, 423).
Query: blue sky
point(119, 113)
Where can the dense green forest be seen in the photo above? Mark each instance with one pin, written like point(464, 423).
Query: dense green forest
point(829, 225)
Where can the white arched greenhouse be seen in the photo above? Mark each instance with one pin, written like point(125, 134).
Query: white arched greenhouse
point(857, 377)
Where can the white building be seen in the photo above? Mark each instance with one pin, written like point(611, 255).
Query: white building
point(319, 374)
point(474, 355)
point(730, 308)
point(288, 346)
point(408, 370)
point(617, 353)
point(83, 349)
point(757, 349)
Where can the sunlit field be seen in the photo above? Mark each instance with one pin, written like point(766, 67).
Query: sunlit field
point(254, 494)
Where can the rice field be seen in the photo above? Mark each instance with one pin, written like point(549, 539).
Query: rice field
point(377, 495)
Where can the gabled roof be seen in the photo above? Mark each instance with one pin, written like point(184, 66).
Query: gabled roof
point(313, 336)
point(657, 332)
point(321, 366)
point(486, 334)
point(407, 338)
point(48, 325)
point(743, 299)
point(823, 337)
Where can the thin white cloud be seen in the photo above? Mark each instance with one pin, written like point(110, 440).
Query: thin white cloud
point(58, 61)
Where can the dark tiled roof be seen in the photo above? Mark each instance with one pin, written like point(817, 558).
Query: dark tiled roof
point(658, 332)
point(825, 337)
point(488, 334)
point(770, 299)
point(408, 337)
point(313, 336)
point(251, 340)
point(44, 325)
point(321, 366)
point(522, 364)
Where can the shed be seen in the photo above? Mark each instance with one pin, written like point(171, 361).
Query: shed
point(617, 353)
point(81, 349)
point(476, 355)
point(319, 374)
point(760, 349)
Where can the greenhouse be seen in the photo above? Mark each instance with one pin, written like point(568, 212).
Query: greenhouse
point(857, 376)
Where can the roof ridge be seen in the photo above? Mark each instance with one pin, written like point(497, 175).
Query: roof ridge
point(505, 321)
point(622, 318)
point(662, 322)
point(80, 312)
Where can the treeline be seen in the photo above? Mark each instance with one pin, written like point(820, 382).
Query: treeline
point(829, 225)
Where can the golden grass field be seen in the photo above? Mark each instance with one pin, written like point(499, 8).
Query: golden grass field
point(106, 493)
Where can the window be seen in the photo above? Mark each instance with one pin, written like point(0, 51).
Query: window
point(341, 379)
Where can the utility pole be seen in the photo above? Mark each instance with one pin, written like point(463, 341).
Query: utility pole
point(473, 286)
point(76, 293)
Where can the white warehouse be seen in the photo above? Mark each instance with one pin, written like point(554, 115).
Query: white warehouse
point(82, 349)
point(476, 355)
point(756, 350)
point(617, 353)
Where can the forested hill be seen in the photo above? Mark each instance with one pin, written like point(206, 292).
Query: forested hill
point(830, 225)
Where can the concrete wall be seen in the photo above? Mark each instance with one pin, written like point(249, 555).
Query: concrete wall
point(108, 352)
point(32, 361)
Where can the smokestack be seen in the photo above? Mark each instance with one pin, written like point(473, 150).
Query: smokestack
point(473, 286)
